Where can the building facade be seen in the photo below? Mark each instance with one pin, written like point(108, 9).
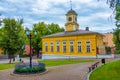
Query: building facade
point(108, 41)
point(0, 52)
point(73, 41)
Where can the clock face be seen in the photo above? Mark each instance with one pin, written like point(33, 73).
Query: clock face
point(69, 19)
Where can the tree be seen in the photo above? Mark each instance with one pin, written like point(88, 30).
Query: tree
point(116, 40)
point(42, 30)
point(115, 5)
point(13, 37)
point(0, 20)
point(116, 31)
point(54, 28)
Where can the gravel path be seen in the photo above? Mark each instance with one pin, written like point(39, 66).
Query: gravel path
point(63, 72)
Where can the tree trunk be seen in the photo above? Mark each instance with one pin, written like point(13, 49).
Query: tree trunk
point(13, 58)
point(37, 54)
point(10, 59)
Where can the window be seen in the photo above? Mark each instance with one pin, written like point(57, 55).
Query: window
point(64, 46)
point(58, 43)
point(46, 46)
point(58, 46)
point(71, 49)
point(79, 46)
point(88, 46)
point(71, 42)
point(71, 46)
point(51, 43)
point(64, 42)
point(69, 18)
point(88, 42)
point(51, 46)
point(79, 43)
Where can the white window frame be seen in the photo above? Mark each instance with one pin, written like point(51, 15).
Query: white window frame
point(88, 46)
point(79, 43)
point(58, 45)
point(64, 50)
point(71, 45)
point(46, 46)
point(52, 46)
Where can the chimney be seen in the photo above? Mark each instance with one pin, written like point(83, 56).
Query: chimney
point(87, 29)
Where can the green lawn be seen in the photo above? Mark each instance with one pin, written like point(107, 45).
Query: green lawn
point(110, 71)
point(47, 62)
point(62, 62)
point(7, 66)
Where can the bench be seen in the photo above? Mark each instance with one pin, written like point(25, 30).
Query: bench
point(92, 67)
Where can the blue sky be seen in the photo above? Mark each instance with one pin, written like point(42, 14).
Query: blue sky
point(91, 13)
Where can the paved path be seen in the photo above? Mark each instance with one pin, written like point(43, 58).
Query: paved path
point(77, 71)
point(24, 59)
point(64, 72)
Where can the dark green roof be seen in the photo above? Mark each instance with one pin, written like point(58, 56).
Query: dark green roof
point(71, 33)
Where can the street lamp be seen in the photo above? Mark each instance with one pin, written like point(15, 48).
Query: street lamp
point(28, 32)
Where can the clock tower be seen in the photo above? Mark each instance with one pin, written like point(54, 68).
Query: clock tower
point(71, 18)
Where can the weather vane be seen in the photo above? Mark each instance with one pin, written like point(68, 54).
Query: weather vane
point(70, 4)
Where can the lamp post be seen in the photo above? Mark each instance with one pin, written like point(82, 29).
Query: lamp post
point(28, 32)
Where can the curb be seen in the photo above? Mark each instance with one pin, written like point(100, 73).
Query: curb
point(97, 68)
point(88, 76)
point(28, 75)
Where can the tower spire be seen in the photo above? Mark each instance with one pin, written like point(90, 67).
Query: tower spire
point(70, 4)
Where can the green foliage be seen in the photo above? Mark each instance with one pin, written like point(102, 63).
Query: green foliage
point(62, 62)
point(116, 40)
point(30, 70)
point(43, 29)
point(54, 28)
point(24, 68)
point(116, 33)
point(0, 20)
point(108, 50)
point(12, 36)
point(109, 71)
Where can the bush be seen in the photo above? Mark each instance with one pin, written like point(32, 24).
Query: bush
point(24, 68)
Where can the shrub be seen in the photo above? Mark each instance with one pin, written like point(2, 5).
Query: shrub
point(24, 68)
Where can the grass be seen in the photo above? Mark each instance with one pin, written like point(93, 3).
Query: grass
point(110, 71)
point(62, 62)
point(47, 63)
point(7, 66)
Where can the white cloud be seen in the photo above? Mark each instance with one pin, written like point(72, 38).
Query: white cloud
point(90, 12)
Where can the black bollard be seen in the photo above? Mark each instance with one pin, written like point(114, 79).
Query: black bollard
point(103, 61)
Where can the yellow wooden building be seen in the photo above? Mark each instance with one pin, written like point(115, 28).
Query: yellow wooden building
point(0, 51)
point(73, 41)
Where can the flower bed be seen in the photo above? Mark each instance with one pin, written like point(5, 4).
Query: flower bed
point(24, 68)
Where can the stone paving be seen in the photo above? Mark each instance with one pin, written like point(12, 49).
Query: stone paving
point(63, 72)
